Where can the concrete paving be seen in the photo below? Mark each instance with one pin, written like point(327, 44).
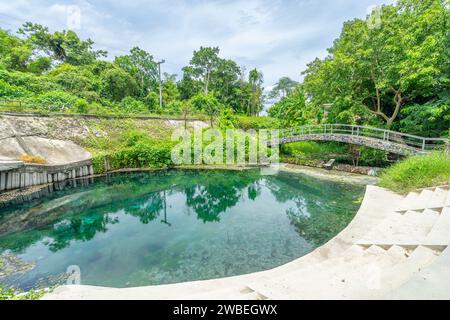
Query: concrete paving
point(396, 247)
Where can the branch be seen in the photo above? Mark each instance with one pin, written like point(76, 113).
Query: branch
point(382, 114)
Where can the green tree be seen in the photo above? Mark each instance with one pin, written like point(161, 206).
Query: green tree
point(204, 62)
point(282, 88)
point(208, 104)
point(170, 91)
point(383, 69)
point(141, 66)
point(291, 109)
point(255, 78)
point(64, 46)
point(15, 53)
point(117, 84)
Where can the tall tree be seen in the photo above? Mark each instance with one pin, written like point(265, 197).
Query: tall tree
point(255, 78)
point(203, 63)
point(378, 70)
point(64, 46)
point(282, 88)
point(141, 66)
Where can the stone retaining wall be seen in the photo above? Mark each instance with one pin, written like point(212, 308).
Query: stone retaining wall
point(28, 175)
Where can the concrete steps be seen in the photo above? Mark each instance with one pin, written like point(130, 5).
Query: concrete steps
point(405, 204)
point(431, 282)
point(447, 201)
point(440, 234)
point(410, 227)
point(331, 279)
point(439, 198)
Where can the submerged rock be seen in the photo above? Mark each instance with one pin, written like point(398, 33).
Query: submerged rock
point(11, 264)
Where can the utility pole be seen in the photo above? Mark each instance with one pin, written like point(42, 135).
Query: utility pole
point(160, 84)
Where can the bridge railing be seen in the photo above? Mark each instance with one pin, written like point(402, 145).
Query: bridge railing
point(413, 142)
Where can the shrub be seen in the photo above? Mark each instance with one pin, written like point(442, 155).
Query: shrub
point(227, 119)
point(314, 150)
point(138, 150)
point(418, 171)
point(54, 101)
point(373, 157)
point(30, 82)
point(12, 91)
point(130, 105)
point(174, 107)
point(245, 123)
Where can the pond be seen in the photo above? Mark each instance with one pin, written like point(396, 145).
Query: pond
point(143, 228)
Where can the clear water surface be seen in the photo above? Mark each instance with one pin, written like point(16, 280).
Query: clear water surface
point(146, 228)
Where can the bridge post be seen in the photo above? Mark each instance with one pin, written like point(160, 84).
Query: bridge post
point(423, 144)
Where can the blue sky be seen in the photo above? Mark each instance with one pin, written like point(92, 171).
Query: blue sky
point(278, 36)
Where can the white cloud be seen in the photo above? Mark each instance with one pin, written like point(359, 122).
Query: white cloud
point(279, 36)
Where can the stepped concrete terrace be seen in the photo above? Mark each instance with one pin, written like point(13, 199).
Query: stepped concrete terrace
point(396, 247)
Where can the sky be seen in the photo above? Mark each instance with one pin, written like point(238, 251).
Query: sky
point(279, 37)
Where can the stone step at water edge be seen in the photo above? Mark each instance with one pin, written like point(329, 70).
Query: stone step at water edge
point(431, 282)
point(369, 214)
point(440, 233)
point(405, 204)
point(347, 255)
point(335, 248)
point(320, 282)
point(180, 291)
point(412, 226)
point(438, 198)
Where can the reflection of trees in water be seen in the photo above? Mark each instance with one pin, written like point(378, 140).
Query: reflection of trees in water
point(148, 208)
point(214, 192)
point(254, 190)
point(141, 195)
point(322, 209)
point(210, 201)
point(208, 193)
point(79, 228)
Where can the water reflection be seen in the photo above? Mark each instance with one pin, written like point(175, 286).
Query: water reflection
point(153, 228)
point(78, 212)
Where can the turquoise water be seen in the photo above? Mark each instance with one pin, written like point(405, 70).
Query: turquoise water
point(143, 228)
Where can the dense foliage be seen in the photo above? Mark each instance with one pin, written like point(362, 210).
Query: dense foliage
point(59, 72)
point(393, 74)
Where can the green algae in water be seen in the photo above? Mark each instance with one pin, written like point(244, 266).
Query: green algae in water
point(143, 228)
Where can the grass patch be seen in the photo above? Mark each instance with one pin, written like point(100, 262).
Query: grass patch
point(415, 172)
